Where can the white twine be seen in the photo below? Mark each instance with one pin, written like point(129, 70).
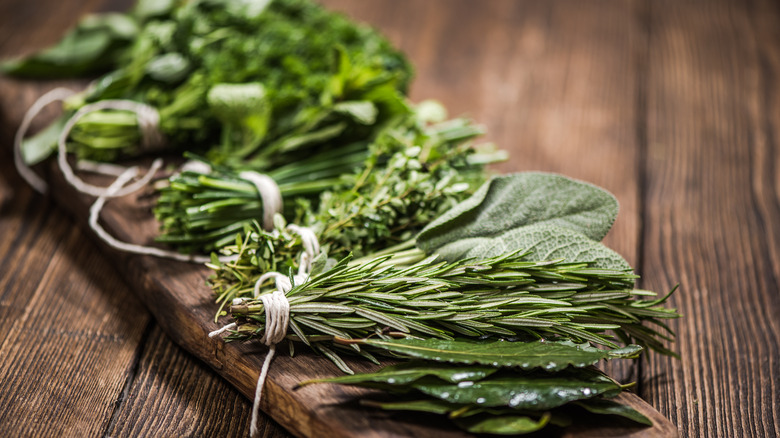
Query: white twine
point(101, 168)
point(148, 121)
point(277, 310)
point(277, 318)
point(37, 183)
point(311, 245)
point(196, 167)
point(94, 217)
point(269, 193)
point(219, 331)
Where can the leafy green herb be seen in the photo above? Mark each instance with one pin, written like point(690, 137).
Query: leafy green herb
point(94, 45)
point(324, 79)
point(550, 215)
point(413, 171)
point(492, 398)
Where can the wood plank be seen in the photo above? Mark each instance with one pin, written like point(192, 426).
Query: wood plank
point(176, 395)
point(183, 306)
point(712, 213)
point(67, 347)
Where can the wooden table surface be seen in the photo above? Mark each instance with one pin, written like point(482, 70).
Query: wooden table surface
point(674, 107)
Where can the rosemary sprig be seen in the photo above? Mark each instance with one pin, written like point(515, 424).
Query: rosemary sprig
point(504, 296)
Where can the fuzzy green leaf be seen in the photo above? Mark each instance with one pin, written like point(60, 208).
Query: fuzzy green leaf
point(514, 201)
point(543, 242)
point(551, 356)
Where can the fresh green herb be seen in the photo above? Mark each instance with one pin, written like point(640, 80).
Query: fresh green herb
point(373, 194)
point(257, 80)
point(504, 296)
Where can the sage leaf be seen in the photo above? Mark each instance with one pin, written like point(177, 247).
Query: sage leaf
point(542, 242)
point(517, 200)
point(551, 356)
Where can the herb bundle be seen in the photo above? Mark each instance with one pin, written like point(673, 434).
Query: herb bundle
point(520, 260)
point(504, 296)
point(496, 387)
point(373, 193)
point(246, 81)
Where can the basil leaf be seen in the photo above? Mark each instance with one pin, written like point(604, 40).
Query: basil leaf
point(514, 201)
point(38, 147)
point(95, 44)
point(551, 356)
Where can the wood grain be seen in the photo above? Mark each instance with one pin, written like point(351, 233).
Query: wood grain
point(671, 106)
point(66, 348)
point(71, 333)
point(712, 213)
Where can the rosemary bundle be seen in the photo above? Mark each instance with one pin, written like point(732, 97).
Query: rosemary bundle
point(504, 296)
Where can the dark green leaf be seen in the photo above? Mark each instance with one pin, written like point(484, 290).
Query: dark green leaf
point(92, 46)
point(551, 356)
point(432, 406)
point(535, 391)
point(408, 372)
point(38, 147)
point(610, 407)
point(502, 424)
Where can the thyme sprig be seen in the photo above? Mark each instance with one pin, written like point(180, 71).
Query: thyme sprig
point(505, 296)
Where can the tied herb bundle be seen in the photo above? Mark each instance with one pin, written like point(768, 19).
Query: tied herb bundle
point(520, 260)
point(373, 193)
point(256, 81)
point(504, 296)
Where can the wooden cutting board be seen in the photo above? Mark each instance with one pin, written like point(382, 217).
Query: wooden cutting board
point(175, 292)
